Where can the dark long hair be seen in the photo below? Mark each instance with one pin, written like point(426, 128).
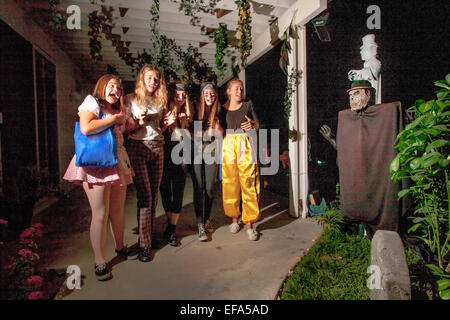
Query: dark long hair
point(201, 106)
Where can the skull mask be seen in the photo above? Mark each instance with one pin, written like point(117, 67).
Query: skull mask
point(359, 99)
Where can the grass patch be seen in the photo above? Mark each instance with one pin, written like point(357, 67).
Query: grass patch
point(333, 269)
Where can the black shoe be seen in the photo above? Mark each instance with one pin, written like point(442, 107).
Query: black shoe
point(202, 233)
point(102, 271)
point(156, 244)
point(173, 241)
point(144, 255)
point(127, 253)
point(166, 234)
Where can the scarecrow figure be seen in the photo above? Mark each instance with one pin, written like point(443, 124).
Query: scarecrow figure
point(365, 148)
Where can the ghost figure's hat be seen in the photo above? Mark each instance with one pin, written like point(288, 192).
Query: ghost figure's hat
point(368, 40)
point(360, 84)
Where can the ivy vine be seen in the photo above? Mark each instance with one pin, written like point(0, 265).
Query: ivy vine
point(95, 38)
point(284, 52)
point(58, 20)
point(221, 41)
point(286, 47)
point(244, 30)
point(293, 82)
point(162, 52)
point(192, 7)
point(235, 67)
point(98, 22)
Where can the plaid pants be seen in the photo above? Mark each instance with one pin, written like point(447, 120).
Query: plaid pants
point(147, 163)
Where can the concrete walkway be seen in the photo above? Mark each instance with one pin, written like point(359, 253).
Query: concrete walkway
point(227, 267)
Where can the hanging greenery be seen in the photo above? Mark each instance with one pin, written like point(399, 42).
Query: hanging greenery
point(293, 82)
point(193, 63)
point(192, 7)
point(164, 49)
point(244, 30)
point(235, 67)
point(98, 22)
point(58, 20)
point(221, 41)
point(285, 50)
point(95, 39)
point(286, 47)
point(154, 18)
point(293, 77)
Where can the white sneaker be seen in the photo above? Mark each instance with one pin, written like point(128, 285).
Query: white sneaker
point(252, 234)
point(234, 227)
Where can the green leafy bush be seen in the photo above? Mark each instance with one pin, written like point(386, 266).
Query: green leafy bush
point(423, 158)
point(332, 219)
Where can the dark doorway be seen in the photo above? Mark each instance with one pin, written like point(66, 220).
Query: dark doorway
point(47, 119)
point(265, 86)
point(18, 133)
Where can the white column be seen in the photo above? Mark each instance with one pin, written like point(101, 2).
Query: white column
point(302, 122)
point(293, 145)
point(298, 150)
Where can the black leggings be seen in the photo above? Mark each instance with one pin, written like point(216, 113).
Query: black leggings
point(203, 189)
point(172, 184)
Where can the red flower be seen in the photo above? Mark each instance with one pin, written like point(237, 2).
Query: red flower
point(26, 240)
point(28, 233)
point(25, 252)
point(4, 222)
point(38, 233)
point(34, 282)
point(36, 295)
point(37, 226)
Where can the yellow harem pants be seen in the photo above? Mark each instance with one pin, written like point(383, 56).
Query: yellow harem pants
point(240, 177)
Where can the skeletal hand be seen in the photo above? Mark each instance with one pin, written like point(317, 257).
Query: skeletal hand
point(326, 132)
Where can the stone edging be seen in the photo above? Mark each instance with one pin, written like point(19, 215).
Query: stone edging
point(389, 279)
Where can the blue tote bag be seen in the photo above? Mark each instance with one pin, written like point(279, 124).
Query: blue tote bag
point(95, 150)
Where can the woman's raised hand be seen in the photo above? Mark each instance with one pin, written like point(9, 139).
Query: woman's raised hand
point(184, 121)
point(247, 125)
point(142, 116)
point(120, 118)
point(170, 118)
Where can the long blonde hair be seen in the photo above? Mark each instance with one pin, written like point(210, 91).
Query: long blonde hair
point(159, 98)
point(201, 106)
point(229, 86)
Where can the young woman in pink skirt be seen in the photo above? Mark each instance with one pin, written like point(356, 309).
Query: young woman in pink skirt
point(105, 187)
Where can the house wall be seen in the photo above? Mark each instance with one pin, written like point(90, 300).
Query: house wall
point(67, 75)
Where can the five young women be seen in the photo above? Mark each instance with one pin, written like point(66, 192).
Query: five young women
point(152, 120)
